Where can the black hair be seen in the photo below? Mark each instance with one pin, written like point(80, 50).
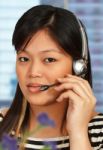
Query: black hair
point(63, 27)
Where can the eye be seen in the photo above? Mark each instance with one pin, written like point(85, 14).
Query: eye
point(23, 59)
point(49, 60)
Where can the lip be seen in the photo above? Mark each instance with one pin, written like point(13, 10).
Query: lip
point(34, 87)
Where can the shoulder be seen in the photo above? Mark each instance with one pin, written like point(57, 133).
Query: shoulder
point(3, 112)
point(96, 121)
point(95, 130)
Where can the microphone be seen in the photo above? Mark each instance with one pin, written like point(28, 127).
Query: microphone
point(46, 87)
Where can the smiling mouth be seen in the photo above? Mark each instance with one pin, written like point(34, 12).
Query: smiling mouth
point(33, 89)
point(38, 88)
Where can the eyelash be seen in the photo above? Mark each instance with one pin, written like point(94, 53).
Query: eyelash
point(47, 60)
point(23, 59)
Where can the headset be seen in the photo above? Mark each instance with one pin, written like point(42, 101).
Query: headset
point(80, 65)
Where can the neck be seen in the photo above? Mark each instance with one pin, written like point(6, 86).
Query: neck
point(55, 111)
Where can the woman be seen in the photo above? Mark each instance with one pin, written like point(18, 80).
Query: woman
point(54, 76)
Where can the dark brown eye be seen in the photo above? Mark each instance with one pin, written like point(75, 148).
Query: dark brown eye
point(23, 59)
point(49, 60)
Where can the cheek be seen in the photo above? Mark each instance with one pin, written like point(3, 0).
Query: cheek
point(65, 68)
point(20, 73)
point(21, 78)
point(60, 71)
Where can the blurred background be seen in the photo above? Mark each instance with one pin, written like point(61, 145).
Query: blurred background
point(89, 11)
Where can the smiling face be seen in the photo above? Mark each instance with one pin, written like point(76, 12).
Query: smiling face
point(42, 62)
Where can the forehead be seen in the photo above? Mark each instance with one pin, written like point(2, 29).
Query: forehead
point(42, 41)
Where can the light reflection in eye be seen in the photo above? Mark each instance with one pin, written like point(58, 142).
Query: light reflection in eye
point(48, 60)
point(23, 59)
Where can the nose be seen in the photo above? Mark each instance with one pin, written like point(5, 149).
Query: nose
point(35, 70)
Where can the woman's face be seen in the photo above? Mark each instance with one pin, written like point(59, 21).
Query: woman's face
point(42, 62)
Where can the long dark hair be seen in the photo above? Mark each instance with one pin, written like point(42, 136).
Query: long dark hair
point(63, 27)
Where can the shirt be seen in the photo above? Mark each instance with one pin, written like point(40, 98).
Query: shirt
point(95, 134)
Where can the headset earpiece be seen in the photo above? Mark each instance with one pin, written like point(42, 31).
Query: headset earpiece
point(80, 65)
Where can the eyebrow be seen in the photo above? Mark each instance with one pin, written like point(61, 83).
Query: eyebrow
point(51, 50)
point(43, 51)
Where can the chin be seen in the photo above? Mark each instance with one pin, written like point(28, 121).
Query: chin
point(44, 104)
point(41, 100)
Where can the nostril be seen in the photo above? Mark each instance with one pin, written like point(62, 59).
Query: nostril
point(35, 75)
